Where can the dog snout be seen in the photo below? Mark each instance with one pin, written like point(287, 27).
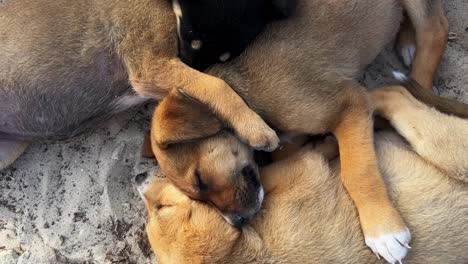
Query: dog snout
point(238, 221)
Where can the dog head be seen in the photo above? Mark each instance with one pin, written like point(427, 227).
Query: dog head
point(182, 230)
point(212, 31)
point(204, 160)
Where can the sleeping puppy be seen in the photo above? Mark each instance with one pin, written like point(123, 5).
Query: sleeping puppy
point(212, 31)
point(67, 65)
point(298, 75)
point(308, 216)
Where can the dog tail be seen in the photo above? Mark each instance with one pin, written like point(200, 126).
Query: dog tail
point(444, 105)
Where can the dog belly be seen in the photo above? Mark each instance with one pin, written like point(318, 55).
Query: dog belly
point(68, 81)
point(63, 114)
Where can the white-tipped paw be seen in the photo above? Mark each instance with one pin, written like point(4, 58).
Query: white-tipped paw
point(407, 53)
point(393, 247)
point(400, 76)
point(435, 90)
point(259, 135)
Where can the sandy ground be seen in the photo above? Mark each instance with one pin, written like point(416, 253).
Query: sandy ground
point(74, 202)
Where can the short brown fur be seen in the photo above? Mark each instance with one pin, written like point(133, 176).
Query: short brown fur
point(302, 83)
point(97, 48)
point(308, 216)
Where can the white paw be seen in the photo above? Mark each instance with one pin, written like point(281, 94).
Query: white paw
point(435, 90)
point(400, 76)
point(407, 53)
point(393, 247)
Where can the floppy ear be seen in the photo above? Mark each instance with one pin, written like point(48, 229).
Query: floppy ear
point(283, 8)
point(180, 118)
point(147, 150)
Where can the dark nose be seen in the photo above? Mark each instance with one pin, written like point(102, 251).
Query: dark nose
point(250, 173)
point(140, 178)
point(238, 221)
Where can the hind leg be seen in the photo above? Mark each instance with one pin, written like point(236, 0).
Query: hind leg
point(384, 230)
point(10, 150)
point(422, 42)
point(438, 138)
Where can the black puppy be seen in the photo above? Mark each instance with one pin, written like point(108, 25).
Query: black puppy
point(212, 31)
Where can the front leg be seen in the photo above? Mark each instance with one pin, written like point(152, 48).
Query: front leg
point(146, 39)
point(162, 75)
point(384, 230)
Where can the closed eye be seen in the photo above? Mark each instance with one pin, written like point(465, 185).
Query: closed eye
point(161, 206)
point(201, 186)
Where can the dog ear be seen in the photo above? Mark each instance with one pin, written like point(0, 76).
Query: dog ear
point(283, 8)
point(147, 150)
point(180, 119)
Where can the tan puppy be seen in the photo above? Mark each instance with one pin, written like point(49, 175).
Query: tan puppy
point(308, 216)
point(298, 76)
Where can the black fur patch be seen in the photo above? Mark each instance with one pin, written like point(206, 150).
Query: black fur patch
point(224, 27)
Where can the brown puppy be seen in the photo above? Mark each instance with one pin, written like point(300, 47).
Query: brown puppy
point(66, 65)
point(308, 216)
point(298, 75)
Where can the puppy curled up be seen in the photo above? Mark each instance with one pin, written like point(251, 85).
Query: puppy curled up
point(298, 75)
point(308, 217)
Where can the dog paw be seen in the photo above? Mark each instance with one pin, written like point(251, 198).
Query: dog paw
point(268, 140)
point(388, 100)
point(393, 247)
point(407, 53)
point(435, 90)
point(406, 45)
point(10, 150)
point(259, 135)
point(400, 76)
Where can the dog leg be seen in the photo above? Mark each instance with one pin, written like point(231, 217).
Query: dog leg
point(10, 150)
point(384, 230)
point(215, 93)
point(438, 138)
point(431, 34)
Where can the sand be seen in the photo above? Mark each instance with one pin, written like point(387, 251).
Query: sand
point(74, 202)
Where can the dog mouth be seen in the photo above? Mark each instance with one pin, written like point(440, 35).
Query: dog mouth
point(238, 220)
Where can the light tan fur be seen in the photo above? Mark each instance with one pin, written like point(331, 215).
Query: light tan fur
point(298, 75)
point(308, 216)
